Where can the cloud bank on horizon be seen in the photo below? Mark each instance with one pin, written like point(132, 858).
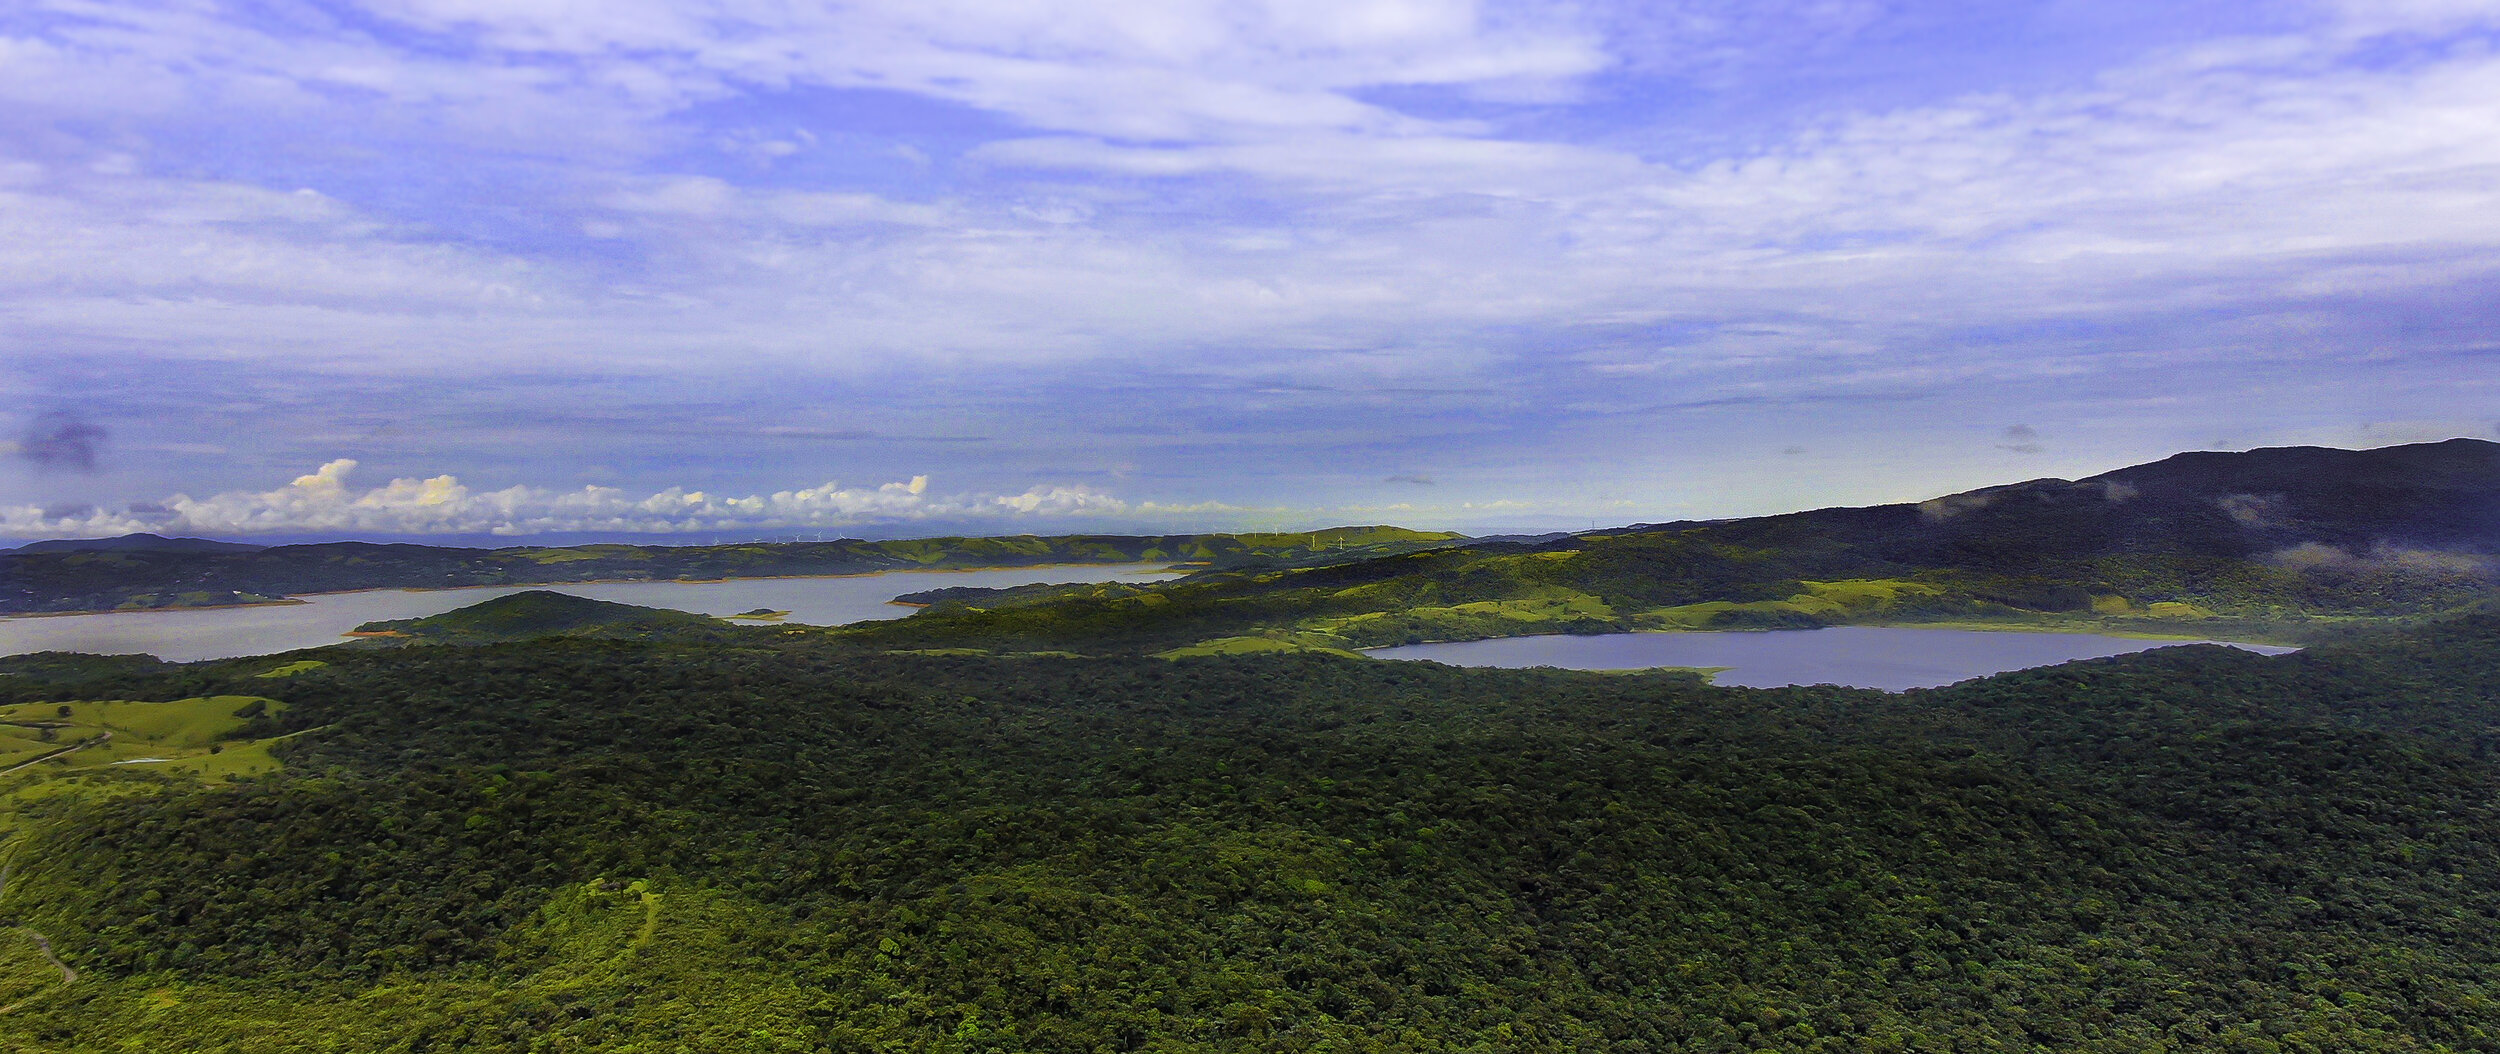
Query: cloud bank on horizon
point(1250, 262)
point(325, 501)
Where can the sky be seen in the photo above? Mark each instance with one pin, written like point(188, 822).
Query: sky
point(744, 268)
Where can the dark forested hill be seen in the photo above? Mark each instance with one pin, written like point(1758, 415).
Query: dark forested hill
point(2439, 497)
point(770, 842)
point(2263, 542)
point(130, 543)
point(537, 614)
point(80, 577)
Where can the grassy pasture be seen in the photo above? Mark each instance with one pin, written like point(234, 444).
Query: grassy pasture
point(1250, 646)
point(189, 735)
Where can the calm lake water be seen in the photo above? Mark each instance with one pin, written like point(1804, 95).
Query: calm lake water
point(1885, 657)
point(224, 633)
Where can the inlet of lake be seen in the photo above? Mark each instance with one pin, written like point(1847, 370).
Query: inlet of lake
point(321, 618)
point(1886, 657)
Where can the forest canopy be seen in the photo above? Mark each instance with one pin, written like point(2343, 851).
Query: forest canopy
point(784, 843)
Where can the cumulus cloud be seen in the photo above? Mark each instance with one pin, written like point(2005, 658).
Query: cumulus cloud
point(1061, 501)
point(326, 501)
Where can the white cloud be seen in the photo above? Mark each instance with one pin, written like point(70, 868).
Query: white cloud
point(324, 501)
point(1140, 70)
point(2252, 171)
point(1062, 501)
point(35, 521)
point(1159, 195)
point(81, 236)
point(539, 72)
point(2370, 17)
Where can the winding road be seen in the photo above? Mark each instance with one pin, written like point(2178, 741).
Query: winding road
point(72, 748)
point(42, 944)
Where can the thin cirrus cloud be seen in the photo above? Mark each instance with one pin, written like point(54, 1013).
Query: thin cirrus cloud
point(1109, 234)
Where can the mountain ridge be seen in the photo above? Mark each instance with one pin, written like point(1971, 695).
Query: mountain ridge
point(138, 542)
point(2276, 538)
point(537, 614)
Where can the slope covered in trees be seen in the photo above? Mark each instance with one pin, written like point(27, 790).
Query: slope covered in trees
point(539, 613)
point(778, 843)
point(2267, 543)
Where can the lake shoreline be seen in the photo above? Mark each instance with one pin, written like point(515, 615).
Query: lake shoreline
point(1894, 658)
point(314, 620)
point(1974, 626)
point(300, 598)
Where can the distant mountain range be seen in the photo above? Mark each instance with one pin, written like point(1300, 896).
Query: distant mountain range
point(139, 572)
point(136, 543)
point(2270, 540)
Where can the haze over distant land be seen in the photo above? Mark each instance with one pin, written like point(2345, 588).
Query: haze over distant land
point(445, 269)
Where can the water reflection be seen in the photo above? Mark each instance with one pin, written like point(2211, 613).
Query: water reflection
point(220, 633)
point(1885, 657)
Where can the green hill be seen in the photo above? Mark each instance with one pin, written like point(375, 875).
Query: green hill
point(540, 613)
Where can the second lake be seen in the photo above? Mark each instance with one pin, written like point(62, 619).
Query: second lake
point(1887, 657)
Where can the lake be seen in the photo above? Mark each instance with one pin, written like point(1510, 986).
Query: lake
point(224, 633)
point(1887, 657)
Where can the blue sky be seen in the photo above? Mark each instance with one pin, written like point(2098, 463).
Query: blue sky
point(474, 267)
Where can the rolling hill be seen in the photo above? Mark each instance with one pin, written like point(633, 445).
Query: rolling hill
point(537, 614)
point(2270, 543)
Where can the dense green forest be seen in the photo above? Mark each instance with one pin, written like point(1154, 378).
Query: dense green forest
point(537, 614)
point(776, 840)
point(123, 574)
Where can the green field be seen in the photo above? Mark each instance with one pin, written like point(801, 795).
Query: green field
point(186, 735)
